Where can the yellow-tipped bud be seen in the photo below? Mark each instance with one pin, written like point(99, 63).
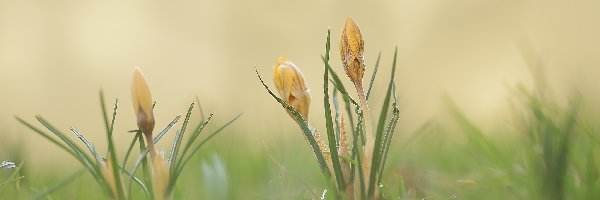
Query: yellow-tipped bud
point(291, 86)
point(160, 178)
point(351, 51)
point(142, 102)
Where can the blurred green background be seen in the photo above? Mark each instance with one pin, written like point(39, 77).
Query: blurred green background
point(55, 55)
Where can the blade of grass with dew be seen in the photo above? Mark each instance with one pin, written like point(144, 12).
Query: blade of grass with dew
point(172, 151)
point(380, 126)
point(59, 185)
point(195, 135)
point(373, 75)
point(185, 160)
point(336, 110)
point(305, 130)
point(387, 140)
point(337, 169)
point(47, 136)
point(333, 143)
point(200, 110)
point(356, 152)
point(77, 151)
point(166, 129)
point(357, 132)
point(89, 145)
point(111, 145)
point(180, 138)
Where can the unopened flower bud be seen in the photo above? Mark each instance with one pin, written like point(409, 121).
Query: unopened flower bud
point(291, 86)
point(351, 51)
point(142, 102)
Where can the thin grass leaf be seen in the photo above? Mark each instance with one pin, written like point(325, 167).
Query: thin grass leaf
point(305, 130)
point(166, 129)
point(337, 169)
point(373, 75)
point(387, 140)
point(380, 129)
point(46, 136)
point(195, 135)
point(130, 149)
point(172, 152)
point(89, 145)
point(347, 99)
point(77, 151)
point(185, 160)
point(182, 132)
point(142, 160)
point(111, 146)
point(59, 185)
point(200, 110)
point(356, 152)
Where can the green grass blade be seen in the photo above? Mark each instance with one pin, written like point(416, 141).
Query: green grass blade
point(200, 110)
point(89, 145)
point(380, 129)
point(373, 75)
point(195, 135)
point(337, 169)
point(172, 151)
point(175, 174)
point(347, 99)
point(77, 151)
point(130, 149)
point(111, 147)
point(166, 129)
point(46, 136)
point(387, 140)
point(180, 138)
point(305, 130)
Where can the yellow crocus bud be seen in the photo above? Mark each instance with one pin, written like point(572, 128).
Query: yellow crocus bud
point(142, 102)
point(160, 178)
point(291, 86)
point(351, 51)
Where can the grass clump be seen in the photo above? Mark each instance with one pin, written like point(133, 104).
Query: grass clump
point(160, 172)
point(353, 168)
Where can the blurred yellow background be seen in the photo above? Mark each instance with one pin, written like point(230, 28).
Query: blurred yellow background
point(55, 55)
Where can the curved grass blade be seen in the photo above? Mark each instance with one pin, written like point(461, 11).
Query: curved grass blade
point(89, 145)
point(166, 129)
point(330, 130)
point(111, 146)
point(175, 174)
point(130, 149)
point(373, 75)
point(380, 129)
point(304, 127)
point(195, 135)
point(77, 151)
point(180, 138)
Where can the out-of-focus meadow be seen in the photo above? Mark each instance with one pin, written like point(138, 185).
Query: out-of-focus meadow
point(55, 56)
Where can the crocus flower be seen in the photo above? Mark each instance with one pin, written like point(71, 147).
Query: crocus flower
point(292, 88)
